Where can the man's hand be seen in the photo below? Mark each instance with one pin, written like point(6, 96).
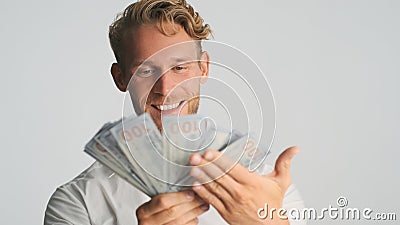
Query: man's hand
point(238, 194)
point(172, 208)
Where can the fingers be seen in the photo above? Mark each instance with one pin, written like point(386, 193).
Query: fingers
point(167, 200)
point(193, 222)
point(178, 208)
point(225, 164)
point(215, 179)
point(282, 165)
point(190, 216)
point(214, 187)
point(203, 192)
point(218, 187)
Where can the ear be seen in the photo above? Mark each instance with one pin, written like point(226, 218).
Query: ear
point(118, 77)
point(204, 66)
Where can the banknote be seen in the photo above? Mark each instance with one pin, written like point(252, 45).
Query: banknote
point(102, 155)
point(140, 138)
point(157, 161)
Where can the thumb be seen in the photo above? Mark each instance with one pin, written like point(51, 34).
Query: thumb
point(282, 165)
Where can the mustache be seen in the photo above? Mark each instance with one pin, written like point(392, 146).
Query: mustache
point(159, 98)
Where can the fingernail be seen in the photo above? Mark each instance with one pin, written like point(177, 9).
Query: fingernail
point(196, 159)
point(196, 185)
point(209, 156)
point(190, 195)
point(195, 172)
point(204, 207)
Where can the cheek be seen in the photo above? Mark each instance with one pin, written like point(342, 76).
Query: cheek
point(191, 86)
point(137, 103)
point(139, 95)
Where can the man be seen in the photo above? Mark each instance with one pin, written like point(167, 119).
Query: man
point(98, 197)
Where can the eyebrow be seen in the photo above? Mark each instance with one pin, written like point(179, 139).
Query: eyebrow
point(137, 64)
point(184, 59)
point(174, 60)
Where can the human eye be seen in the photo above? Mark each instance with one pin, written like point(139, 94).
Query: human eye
point(181, 68)
point(145, 72)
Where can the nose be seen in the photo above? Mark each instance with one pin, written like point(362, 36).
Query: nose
point(164, 84)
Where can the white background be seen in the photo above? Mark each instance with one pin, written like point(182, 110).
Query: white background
point(334, 68)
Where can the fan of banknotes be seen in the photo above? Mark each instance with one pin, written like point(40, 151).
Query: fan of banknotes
point(157, 161)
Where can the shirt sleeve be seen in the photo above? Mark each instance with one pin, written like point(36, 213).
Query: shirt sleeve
point(66, 207)
point(293, 200)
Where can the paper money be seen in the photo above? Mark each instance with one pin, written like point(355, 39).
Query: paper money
point(157, 162)
point(102, 155)
point(246, 152)
point(139, 137)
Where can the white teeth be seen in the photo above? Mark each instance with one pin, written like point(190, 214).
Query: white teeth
point(167, 107)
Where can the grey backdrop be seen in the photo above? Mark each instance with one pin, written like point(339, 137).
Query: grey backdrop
point(333, 67)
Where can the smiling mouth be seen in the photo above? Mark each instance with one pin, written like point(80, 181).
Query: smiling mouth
point(169, 106)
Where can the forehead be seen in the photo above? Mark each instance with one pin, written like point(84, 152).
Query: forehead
point(145, 41)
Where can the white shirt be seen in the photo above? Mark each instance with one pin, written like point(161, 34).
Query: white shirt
point(99, 197)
